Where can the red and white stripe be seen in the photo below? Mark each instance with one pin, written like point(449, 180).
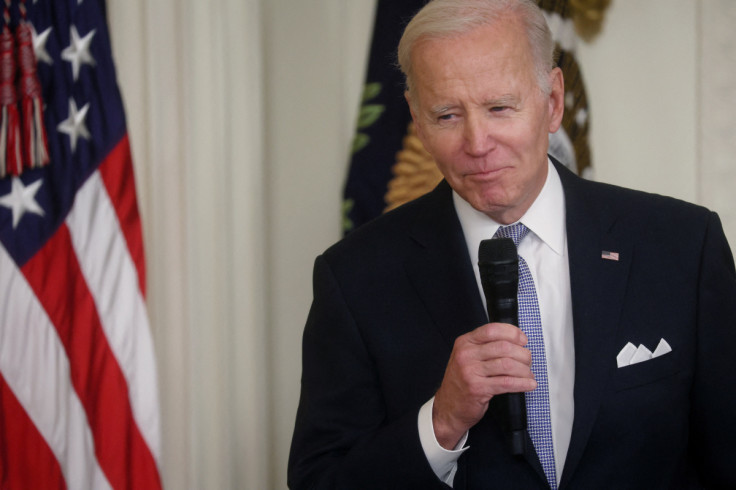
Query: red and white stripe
point(78, 374)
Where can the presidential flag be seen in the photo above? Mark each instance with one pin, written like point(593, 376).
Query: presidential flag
point(383, 118)
point(78, 390)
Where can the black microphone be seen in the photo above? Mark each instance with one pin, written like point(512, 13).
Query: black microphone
point(498, 262)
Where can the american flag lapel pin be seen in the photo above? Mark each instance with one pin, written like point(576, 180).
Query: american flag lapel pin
point(608, 255)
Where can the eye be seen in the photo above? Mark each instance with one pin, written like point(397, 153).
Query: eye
point(446, 117)
point(499, 108)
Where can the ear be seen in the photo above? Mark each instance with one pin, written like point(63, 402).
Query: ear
point(556, 99)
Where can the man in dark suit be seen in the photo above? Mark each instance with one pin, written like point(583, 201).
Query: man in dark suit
point(623, 350)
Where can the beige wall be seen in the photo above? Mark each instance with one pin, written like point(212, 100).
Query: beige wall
point(641, 76)
point(241, 116)
point(662, 84)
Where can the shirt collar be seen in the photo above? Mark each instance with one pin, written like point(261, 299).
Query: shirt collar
point(545, 218)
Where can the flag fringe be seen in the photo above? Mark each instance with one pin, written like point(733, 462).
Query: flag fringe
point(11, 160)
point(35, 144)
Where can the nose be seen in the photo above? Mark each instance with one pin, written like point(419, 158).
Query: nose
point(477, 135)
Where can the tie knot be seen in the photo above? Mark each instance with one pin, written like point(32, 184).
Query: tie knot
point(516, 232)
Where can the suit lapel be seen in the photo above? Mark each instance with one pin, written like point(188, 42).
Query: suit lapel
point(440, 269)
point(598, 287)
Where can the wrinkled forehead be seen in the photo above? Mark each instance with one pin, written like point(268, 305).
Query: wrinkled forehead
point(495, 53)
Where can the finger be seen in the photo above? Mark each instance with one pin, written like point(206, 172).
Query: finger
point(483, 389)
point(492, 332)
point(504, 366)
point(498, 385)
point(466, 353)
point(501, 350)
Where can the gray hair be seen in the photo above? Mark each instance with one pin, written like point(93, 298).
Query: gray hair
point(449, 18)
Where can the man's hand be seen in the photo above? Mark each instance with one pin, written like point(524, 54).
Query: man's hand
point(488, 361)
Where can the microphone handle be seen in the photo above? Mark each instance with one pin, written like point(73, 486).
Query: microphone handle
point(514, 403)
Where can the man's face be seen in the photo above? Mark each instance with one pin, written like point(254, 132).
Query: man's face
point(478, 109)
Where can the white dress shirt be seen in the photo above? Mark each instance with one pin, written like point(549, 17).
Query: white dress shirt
point(545, 251)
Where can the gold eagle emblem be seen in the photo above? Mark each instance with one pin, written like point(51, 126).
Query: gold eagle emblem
point(414, 174)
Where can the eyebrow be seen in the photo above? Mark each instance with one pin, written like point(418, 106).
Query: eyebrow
point(507, 99)
point(503, 100)
point(440, 109)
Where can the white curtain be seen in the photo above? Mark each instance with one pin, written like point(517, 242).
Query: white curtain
point(191, 76)
point(240, 114)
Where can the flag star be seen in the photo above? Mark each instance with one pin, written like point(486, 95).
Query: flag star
point(74, 125)
point(22, 199)
point(39, 45)
point(77, 53)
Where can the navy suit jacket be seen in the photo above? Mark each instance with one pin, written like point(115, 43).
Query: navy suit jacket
point(391, 298)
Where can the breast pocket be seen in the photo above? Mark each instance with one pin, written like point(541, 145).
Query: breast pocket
point(646, 372)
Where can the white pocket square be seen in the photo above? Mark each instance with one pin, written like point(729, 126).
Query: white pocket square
point(631, 354)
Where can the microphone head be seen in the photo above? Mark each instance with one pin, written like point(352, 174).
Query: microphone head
point(498, 263)
point(496, 250)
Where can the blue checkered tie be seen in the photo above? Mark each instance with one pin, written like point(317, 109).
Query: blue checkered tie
point(530, 322)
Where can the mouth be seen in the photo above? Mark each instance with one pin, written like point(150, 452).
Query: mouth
point(488, 174)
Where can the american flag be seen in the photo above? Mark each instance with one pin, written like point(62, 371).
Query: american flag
point(608, 255)
point(78, 390)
